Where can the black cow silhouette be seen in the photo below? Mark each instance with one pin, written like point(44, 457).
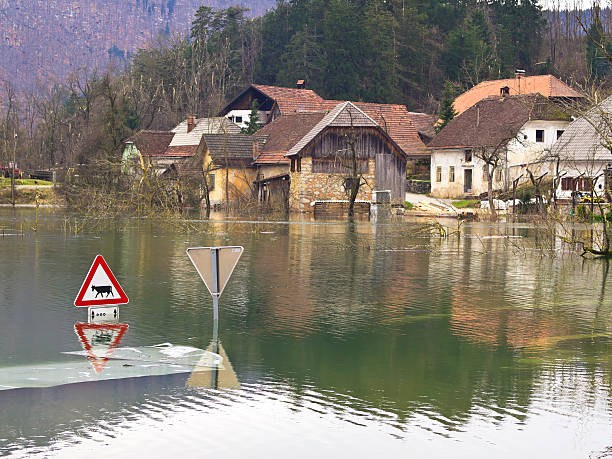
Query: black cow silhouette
point(102, 290)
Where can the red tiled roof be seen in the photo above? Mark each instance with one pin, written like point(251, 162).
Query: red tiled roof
point(152, 143)
point(397, 121)
point(181, 150)
point(401, 125)
point(546, 85)
point(284, 132)
point(292, 99)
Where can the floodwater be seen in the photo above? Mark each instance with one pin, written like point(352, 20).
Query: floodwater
point(336, 340)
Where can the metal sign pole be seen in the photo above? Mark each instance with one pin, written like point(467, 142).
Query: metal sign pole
point(215, 297)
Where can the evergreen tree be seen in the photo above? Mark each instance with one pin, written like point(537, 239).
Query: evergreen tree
point(343, 42)
point(597, 63)
point(447, 111)
point(253, 124)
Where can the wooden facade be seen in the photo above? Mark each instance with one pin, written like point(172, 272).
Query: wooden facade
point(319, 171)
point(330, 153)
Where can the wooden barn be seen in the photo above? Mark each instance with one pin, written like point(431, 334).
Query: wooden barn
point(320, 161)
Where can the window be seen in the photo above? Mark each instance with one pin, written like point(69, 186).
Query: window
point(451, 174)
point(575, 184)
point(539, 135)
point(439, 174)
point(238, 119)
point(560, 132)
point(498, 174)
point(211, 182)
point(292, 164)
point(468, 156)
point(299, 164)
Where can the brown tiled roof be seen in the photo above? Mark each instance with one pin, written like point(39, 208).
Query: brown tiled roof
point(236, 146)
point(283, 133)
point(495, 120)
point(423, 123)
point(152, 143)
point(181, 150)
point(292, 99)
point(546, 85)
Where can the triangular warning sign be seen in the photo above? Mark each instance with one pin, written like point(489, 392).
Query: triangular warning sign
point(100, 287)
point(225, 260)
point(99, 341)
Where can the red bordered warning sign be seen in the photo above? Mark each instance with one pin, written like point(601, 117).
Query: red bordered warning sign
point(99, 341)
point(100, 287)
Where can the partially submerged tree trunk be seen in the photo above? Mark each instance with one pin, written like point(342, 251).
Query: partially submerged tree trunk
point(537, 182)
point(489, 176)
point(355, 178)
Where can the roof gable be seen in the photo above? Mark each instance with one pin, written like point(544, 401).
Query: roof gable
point(345, 114)
point(586, 137)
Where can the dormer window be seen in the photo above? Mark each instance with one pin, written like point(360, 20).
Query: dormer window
point(504, 91)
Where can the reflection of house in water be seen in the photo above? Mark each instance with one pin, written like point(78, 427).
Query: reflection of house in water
point(501, 299)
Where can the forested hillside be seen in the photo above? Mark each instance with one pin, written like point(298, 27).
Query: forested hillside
point(411, 52)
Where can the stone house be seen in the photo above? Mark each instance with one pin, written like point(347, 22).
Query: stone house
point(319, 168)
point(520, 130)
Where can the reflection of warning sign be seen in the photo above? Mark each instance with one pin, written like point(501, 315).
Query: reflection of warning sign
point(100, 287)
point(99, 341)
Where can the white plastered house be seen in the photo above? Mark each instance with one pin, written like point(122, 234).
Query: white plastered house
point(518, 129)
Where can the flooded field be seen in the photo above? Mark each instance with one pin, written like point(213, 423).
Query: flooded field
point(343, 340)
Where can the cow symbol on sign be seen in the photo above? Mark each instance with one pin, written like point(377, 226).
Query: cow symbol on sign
point(102, 290)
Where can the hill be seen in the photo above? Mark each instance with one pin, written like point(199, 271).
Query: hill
point(44, 40)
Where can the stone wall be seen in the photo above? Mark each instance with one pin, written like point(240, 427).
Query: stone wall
point(307, 186)
point(418, 186)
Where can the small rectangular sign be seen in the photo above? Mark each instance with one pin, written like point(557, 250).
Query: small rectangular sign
point(98, 315)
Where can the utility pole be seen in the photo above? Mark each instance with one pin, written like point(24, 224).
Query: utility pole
point(13, 169)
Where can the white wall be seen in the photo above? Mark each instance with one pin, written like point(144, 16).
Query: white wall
point(456, 157)
point(246, 116)
point(524, 149)
point(521, 151)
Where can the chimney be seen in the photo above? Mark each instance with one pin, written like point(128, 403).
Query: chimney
point(518, 73)
point(190, 123)
point(255, 148)
point(301, 84)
